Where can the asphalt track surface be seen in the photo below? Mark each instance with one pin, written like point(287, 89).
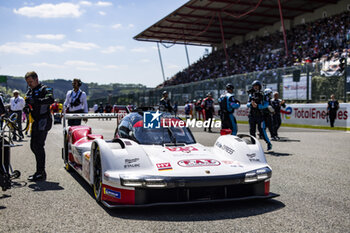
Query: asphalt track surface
point(311, 172)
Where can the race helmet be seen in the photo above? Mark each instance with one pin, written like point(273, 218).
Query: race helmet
point(268, 91)
point(230, 86)
point(258, 83)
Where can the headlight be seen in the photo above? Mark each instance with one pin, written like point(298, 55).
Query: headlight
point(140, 182)
point(155, 183)
point(130, 182)
point(257, 175)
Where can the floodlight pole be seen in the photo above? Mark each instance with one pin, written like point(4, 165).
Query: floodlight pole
point(161, 62)
point(188, 60)
point(224, 43)
point(284, 29)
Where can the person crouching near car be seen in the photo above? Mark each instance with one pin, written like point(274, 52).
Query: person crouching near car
point(39, 98)
point(76, 102)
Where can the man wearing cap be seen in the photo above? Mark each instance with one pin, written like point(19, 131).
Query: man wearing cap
point(164, 104)
point(208, 106)
point(228, 104)
point(17, 104)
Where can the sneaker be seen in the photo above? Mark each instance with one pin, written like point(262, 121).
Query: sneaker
point(269, 146)
point(273, 139)
point(38, 176)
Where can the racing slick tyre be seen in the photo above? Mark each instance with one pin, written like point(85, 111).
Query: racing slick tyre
point(65, 154)
point(97, 185)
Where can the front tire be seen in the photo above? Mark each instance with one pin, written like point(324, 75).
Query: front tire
point(65, 154)
point(97, 185)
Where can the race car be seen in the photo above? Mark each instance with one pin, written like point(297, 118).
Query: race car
point(145, 166)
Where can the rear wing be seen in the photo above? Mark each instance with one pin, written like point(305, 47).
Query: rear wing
point(68, 116)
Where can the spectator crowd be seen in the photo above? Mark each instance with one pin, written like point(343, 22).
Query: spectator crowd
point(317, 42)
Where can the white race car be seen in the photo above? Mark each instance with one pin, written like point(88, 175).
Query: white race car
point(153, 166)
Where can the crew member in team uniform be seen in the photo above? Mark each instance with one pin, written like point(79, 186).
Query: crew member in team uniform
point(164, 104)
point(256, 103)
point(332, 109)
point(208, 106)
point(39, 98)
point(276, 103)
point(228, 104)
point(76, 102)
point(268, 112)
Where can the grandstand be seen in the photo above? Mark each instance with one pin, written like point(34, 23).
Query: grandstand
point(253, 39)
point(200, 23)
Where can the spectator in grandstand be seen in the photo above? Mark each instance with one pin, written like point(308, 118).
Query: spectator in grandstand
point(228, 104)
point(164, 104)
point(208, 106)
point(332, 109)
point(276, 103)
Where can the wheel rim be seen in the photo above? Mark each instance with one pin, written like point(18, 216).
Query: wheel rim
point(97, 175)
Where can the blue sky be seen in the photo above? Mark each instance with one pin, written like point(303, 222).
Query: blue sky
point(90, 40)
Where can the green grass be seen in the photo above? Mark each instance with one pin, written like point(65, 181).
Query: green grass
point(307, 126)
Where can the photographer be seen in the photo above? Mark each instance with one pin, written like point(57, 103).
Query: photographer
point(76, 102)
point(257, 102)
point(228, 104)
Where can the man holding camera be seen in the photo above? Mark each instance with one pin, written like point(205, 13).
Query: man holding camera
point(257, 103)
point(75, 102)
point(39, 98)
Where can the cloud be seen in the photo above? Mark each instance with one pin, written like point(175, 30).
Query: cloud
point(44, 64)
point(113, 49)
point(131, 25)
point(102, 13)
point(173, 66)
point(100, 3)
point(117, 26)
point(80, 63)
point(61, 10)
point(88, 68)
point(79, 30)
point(139, 50)
point(29, 48)
point(121, 67)
point(79, 45)
point(47, 36)
point(85, 3)
point(145, 61)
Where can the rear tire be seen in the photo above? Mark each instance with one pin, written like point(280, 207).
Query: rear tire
point(97, 185)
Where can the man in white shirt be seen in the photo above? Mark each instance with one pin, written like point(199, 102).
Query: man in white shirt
point(17, 104)
point(76, 102)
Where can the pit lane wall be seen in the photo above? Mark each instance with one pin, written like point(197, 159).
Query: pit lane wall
point(300, 114)
point(305, 114)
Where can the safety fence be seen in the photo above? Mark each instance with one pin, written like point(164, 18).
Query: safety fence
point(298, 84)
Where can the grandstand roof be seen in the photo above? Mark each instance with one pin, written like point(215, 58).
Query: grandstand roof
point(198, 21)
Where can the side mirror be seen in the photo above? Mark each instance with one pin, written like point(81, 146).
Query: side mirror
point(225, 132)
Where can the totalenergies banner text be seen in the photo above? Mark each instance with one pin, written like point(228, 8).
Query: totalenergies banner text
point(305, 114)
